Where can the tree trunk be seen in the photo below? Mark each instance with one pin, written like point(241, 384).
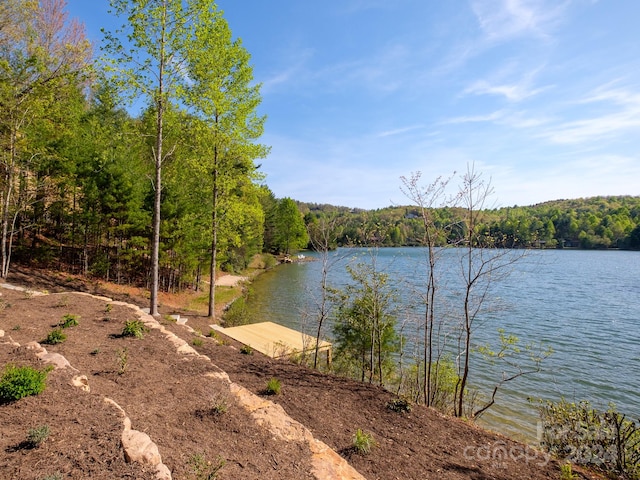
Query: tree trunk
point(155, 241)
point(214, 239)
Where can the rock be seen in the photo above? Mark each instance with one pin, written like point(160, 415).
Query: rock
point(163, 472)
point(81, 382)
point(139, 448)
point(57, 360)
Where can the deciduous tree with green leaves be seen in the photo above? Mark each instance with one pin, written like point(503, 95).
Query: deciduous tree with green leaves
point(290, 232)
point(364, 329)
point(42, 53)
point(151, 64)
point(223, 99)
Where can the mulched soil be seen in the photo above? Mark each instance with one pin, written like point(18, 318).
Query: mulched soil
point(167, 396)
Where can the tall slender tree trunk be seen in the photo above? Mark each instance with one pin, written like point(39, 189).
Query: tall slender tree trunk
point(155, 241)
point(214, 238)
point(6, 202)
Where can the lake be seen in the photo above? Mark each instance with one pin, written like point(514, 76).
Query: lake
point(583, 304)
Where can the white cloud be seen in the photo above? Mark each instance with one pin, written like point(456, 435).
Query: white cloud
point(502, 20)
point(398, 131)
point(513, 92)
point(295, 70)
point(622, 114)
point(491, 117)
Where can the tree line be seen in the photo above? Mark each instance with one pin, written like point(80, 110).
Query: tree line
point(587, 223)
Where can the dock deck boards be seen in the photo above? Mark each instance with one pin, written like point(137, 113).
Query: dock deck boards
point(273, 340)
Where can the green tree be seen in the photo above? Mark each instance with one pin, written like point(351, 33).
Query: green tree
point(152, 65)
point(290, 231)
point(364, 329)
point(221, 95)
point(42, 54)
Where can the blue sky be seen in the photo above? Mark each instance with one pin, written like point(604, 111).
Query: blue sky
point(542, 96)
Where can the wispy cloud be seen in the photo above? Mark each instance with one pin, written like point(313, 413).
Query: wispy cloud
point(491, 117)
point(513, 91)
point(398, 131)
point(502, 20)
point(295, 70)
point(621, 113)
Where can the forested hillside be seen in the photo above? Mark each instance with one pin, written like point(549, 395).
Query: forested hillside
point(591, 223)
point(152, 151)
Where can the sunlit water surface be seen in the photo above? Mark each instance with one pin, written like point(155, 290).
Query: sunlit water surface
point(583, 304)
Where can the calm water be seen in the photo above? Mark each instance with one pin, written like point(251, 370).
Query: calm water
point(584, 304)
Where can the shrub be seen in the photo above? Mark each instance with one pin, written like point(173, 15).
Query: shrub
point(37, 435)
point(399, 405)
point(122, 360)
point(197, 342)
point(69, 320)
point(584, 435)
point(55, 336)
point(273, 387)
point(237, 313)
point(246, 349)
point(203, 469)
point(134, 328)
point(19, 382)
point(53, 476)
point(566, 472)
point(363, 442)
point(63, 301)
point(219, 403)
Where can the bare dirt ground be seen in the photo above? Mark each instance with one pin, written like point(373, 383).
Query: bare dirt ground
point(169, 396)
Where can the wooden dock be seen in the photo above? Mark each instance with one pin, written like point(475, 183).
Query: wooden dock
point(275, 341)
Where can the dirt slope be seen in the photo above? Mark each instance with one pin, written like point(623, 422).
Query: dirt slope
point(170, 397)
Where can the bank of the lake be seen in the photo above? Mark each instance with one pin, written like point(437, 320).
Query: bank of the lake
point(583, 304)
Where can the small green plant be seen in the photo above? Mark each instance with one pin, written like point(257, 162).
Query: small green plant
point(134, 328)
point(219, 403)
point(213, 334)
point(246, 349)
point(53, 476)
point(566, 472)
point(16, 328)
point(4, 304)
point(37, 435)
point(197, 342)
point(55, 336)
point(69, 320)
point(108, 307)
point(203, 469)
point(273, 387)
point(95, 351)
point(122, 360)
point(399, 405)
point(63, 301)
point(363, 442)
point(18, 382)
